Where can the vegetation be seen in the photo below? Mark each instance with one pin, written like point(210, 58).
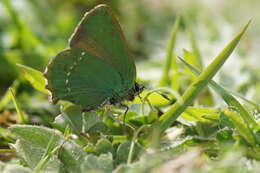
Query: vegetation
point(184, 121)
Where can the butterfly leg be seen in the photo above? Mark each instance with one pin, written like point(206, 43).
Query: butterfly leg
point(127, 109)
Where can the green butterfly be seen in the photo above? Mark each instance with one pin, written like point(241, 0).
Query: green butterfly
point(98, 67)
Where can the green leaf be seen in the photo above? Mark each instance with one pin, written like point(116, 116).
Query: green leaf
point(123, 150)
point(32, 155)
point(201, 114)
point(35, 77)
point(200, 83)
point(71, 116)
point(13, 168)
point(92, 123)
point(154, 98)
point(70, 154)
point(145, 119)
point(51, 150)
point(98, 164)
point(91, 119)
point(104, 146)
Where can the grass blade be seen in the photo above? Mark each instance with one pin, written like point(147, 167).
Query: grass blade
point(50, 151)
point(240, 126)
point(256, 105)
point(130, 155)
point(229, 99)
point(191, 59)
point(200, 83)
point(170, 59)
point(12, 14)
point(21, 116)
point(8, 95)
point(195, 49)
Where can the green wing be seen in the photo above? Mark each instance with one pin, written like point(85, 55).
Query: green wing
point(100, 34)
point(81, 78)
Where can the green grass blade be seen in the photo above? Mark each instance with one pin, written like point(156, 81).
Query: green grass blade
point(195, 48)
point(50, 151)
point(256, 105)
point(175, 83)
point(21, 116)
point(8, 95)
point(191, 59)
point(240, 126)
point(12, 14)
point(170, 59)
point(130, 155)
point(200, 83)
point(229, 99)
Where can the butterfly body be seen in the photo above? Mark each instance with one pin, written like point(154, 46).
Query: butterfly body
point(98, 68)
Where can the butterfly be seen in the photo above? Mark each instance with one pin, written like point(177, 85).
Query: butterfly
point(97, 68)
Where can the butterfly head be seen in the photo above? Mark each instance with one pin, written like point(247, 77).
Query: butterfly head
point(136, 90)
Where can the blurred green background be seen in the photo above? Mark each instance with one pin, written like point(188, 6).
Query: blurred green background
point(32, 32)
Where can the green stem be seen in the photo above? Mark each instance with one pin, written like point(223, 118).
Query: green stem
point(21, 116)
point(169, 57)
point(131, 150)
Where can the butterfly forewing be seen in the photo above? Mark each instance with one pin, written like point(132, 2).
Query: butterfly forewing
point(100, 34)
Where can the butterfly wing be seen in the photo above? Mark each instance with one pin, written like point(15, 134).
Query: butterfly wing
point(100, 33)
point(82, 78)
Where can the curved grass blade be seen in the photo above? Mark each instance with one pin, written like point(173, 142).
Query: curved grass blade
point(228, 98)
point(170, 58)
point(130, 155)
point(200, 83)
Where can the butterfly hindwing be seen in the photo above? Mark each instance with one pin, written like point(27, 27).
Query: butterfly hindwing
point(100, 34)
point(81, 78)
